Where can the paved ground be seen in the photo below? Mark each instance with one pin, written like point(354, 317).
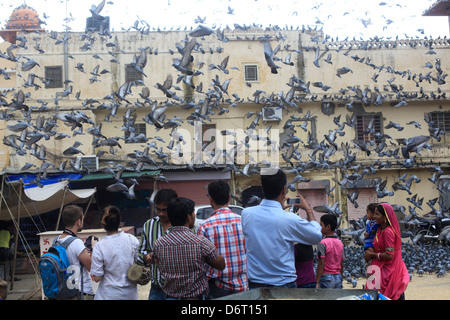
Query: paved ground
point(27, 288)
point(426, 287)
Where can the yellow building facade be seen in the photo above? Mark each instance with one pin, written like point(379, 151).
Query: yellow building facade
point(335, 115)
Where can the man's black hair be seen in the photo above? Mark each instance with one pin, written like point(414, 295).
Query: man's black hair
point(273, 184)
point(219, 191)
point(329, 219)
point(165, 195)
point(179, 209)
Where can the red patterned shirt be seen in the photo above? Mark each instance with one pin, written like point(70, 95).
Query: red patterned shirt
point(181, 256)
point(224, 229)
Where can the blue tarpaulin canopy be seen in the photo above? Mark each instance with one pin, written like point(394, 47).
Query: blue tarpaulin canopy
point(29, 180)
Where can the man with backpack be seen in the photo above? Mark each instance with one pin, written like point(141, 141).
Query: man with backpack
point(79, 257)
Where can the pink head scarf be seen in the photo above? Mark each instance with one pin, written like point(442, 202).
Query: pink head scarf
point(393, 222)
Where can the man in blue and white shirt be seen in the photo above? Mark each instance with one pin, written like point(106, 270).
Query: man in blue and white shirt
point(271, 232)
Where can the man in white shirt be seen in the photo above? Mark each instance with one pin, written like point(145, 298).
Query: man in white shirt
point(78, 255)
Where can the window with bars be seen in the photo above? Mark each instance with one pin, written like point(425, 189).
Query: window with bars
point(251, 72)
point(54, 77)
point(441, 120)
point(137, 130)
point(132, 75)
point(367, 126)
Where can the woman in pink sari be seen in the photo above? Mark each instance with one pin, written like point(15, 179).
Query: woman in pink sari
point(387, 273)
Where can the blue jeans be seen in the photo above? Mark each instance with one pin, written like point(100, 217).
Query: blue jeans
point(156, 293)
point(252, 285)
point(308, 285)
point(201, 297)
point(330, 281)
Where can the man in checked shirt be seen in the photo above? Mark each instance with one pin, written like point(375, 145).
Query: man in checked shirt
point(224, 229)
point(182, 256)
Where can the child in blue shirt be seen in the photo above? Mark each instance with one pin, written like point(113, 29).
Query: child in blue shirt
point(371, 228)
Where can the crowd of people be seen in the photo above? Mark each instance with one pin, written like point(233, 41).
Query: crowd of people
point(265, 246)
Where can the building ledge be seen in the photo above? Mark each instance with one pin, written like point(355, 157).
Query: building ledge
point(439, 8)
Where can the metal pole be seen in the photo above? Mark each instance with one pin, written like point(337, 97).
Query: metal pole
point(89, 203)
point(60, 209)
point(16, 243)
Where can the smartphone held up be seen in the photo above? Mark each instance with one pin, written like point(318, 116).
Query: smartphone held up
point(292, 201)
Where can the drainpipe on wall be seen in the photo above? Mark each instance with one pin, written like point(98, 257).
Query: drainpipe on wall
point(342, 198)
point(233, 186)
point(66, 56)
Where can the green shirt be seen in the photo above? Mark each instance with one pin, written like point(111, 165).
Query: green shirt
point(5, 237)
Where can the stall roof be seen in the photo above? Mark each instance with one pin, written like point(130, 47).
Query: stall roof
point(125, 174)
point(38, 200)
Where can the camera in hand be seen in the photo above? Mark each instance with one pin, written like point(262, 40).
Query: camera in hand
point(292, 201)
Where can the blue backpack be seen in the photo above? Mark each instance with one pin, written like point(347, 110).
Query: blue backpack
point(53, 269)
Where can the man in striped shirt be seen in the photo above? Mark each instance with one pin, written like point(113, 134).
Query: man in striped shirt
point(154, 229)
point(224, 229)
point(182, 256)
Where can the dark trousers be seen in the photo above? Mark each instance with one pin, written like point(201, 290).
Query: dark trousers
point(254, 285)
point(4, 263)
point(215, 291)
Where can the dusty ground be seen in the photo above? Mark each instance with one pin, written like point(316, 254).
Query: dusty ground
point(426, 287)
point(429, 287)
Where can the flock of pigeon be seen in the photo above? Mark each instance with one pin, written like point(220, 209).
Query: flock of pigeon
point(391, 152)
point(420, 259)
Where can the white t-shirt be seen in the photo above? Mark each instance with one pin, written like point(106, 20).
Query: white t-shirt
point(73, 251)
point(112, 256)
